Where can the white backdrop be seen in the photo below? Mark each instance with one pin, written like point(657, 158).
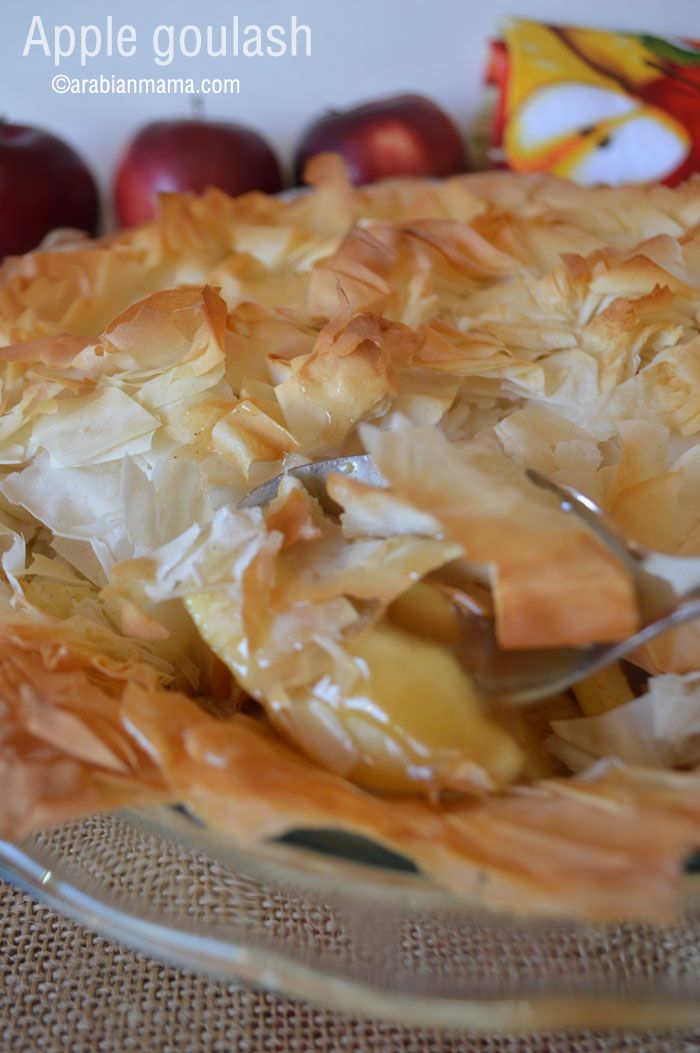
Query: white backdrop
point(360, 49)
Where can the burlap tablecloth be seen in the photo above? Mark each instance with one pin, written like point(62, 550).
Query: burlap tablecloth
point(65, 988)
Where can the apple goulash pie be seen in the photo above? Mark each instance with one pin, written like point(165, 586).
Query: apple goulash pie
point(276, 668)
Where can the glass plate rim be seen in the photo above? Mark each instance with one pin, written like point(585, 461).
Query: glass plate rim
point(241, 960)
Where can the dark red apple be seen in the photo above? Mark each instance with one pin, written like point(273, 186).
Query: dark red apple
point(191, 155)
point(401, 135)
point(44, 184)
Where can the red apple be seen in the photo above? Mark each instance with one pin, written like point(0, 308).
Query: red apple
point(44, 184)
point(191, 155)
point(401, 135)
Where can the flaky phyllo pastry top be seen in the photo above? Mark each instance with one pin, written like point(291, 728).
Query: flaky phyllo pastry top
point(277, 668)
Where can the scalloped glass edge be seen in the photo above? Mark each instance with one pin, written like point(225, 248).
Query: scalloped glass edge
point(243, 959)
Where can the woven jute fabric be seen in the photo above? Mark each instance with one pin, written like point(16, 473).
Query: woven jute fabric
point(63, 988)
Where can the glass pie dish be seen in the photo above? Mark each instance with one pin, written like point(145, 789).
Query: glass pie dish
point(346, 925)
point(269, 667)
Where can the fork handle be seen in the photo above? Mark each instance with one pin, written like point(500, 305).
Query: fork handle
point(681, 573)
point(597, 657)
point(607, 654)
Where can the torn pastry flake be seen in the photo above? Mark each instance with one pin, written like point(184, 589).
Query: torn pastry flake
point(541, 556)
point(602, 847)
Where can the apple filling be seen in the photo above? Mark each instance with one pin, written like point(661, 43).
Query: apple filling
point(336, 630)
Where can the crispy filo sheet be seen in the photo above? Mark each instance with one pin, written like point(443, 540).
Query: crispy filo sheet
point(279, 668)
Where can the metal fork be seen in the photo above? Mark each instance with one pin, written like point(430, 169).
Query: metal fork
point(668, 592)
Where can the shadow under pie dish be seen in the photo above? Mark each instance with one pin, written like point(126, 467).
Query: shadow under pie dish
point(276, 669)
